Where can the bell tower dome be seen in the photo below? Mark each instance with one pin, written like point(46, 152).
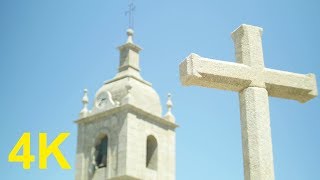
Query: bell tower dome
point(124, 136)
point(145, 97)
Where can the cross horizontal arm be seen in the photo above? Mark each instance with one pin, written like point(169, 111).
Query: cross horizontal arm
point(196, 70)
point(289, 85)
point(199, 71)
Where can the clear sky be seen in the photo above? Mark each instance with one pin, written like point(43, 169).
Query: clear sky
point(51, 49)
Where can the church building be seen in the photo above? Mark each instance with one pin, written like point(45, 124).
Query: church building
point(124, 136)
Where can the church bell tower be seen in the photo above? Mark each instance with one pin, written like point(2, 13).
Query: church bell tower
point(124, 136)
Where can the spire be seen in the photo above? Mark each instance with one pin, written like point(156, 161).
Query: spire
point(85, 101)
point(169, 116)
point(129, 58)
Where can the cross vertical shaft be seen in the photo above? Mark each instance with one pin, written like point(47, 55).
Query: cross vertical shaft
point(248, 44)
point(256, 134)
point(254, 107)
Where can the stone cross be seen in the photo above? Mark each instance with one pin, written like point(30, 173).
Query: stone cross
point(254, 83)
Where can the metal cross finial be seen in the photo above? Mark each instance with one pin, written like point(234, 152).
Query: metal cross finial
point(129, 12)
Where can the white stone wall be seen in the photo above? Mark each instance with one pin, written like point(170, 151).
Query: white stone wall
point(139, 128)
point(88, 133)
point(127, 137)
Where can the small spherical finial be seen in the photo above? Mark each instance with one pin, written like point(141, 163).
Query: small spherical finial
point(128, 99)
point(130, 35)
point(130, 32)
point(169, 116)
point(169, 102)
point(85, 100)
point(128, 87)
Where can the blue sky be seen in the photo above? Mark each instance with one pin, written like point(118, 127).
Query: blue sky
point(51, 50)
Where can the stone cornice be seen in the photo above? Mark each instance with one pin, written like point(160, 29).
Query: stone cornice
point(127, 108)
point(130, 46)
point(128, 76)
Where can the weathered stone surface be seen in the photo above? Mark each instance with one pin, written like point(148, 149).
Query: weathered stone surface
point(126, 109)
point(196, 70)
point(254, 83)
point(256, 133)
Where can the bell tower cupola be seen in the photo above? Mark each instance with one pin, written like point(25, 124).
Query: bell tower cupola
point(124, 135)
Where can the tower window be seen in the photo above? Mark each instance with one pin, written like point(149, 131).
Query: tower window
point(101, 152)
point(152, 152)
